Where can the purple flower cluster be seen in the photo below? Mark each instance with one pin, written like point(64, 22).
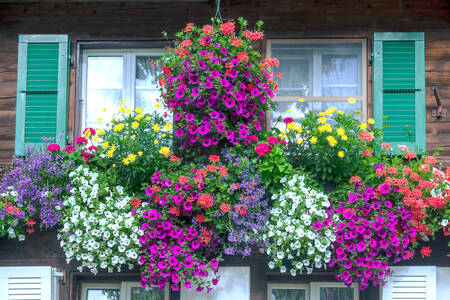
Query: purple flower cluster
point(38, 182)
point(246, 229)
point(217, 92)
point(174, 254)
point(371, 232)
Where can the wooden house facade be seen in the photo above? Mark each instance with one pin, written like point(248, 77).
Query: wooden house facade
point(358, 42)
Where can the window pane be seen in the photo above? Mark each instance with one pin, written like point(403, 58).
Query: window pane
point(104, 89)
point(297, 110)
point(336, 293)
point(319, 69)
point(340, 75)
point(147, 89)
point(103, 294)
point(288, 294)
point(138, 293)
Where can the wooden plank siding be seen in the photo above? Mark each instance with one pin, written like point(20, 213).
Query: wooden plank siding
point(283, 19)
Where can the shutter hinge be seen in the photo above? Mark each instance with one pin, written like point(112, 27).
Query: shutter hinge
point(401, 90)
point(40, 92)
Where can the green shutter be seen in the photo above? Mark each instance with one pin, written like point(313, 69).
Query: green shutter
point(42, 90)
point(399, 88)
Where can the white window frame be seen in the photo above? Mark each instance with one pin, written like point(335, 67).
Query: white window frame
point(129, 73)
point(316, 73)
point(312, 289)
point(287, 286)
point(124, 287)
point(315, 289)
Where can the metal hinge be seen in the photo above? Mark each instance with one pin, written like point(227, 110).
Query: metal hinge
point(401, 90)
point(40, 92)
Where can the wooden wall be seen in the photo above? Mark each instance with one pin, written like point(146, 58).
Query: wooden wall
point(283, 19)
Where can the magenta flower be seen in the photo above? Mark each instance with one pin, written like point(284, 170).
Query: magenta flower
point(179, 132)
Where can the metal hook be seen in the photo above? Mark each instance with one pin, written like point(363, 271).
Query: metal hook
point(440, 111)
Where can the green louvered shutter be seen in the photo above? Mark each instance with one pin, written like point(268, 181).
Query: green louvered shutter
point(42, 90)
point(399, 88)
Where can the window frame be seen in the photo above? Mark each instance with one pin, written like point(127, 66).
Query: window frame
point(288, 286)
point(312, 288)
point(129, 74)
point(364, 73)
point(124, 287)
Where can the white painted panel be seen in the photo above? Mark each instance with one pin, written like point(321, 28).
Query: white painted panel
point(26, 283)
point(412, 283)
point(234, 284)
point(443, 283)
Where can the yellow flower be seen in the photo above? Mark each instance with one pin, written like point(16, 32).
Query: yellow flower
point(122, 101)
point(114, 165)
point(134, 125)
point(313, 140)
point(87, 134)
point(341, 154)
point(133, 136)
point(344, 137)
point(104, 109)
point(363, 125)
point(138, 110)
point(127, 132)
point(132, 157)
point(351, 100)
point(371, 121)
point(128, 111)
point(282, 135)
point(148, 118)
point(308, 131)
point(321, 128)
point(126, 161)
point(300, 141)
point(158, 105)
point(288, 111)
point(165, 151)
point(100, 131)
point(321, 114)
point(322, 120)
point(138, 117)
point(301, 100)
point(163, 135)
point(167, 126)
point(140, 153)
point(357, 111)
point(111, 151)
point(119, 127)
point(99, 119)
point(331, 140)
point(291, 126)
point(105, 145)
point(340, 131)
point(328, 127)
point(122, 109)
point(330, 111)
point(95, 138)
point(156, 127)
point(298, 128)
point(340, 112)
point(155, 142)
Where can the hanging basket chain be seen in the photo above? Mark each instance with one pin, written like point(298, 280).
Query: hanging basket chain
point(218, 16)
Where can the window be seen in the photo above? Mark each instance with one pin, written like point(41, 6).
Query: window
point(112, 75)
point(312, 291)
point(121, 291)
point(324, 73)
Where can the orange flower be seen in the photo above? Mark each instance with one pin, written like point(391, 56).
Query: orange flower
point(242, 56)
point(200, 218)
point(211, 168)
point(188, 27)
point(426, 251)
point(136, 202)
point(207, 29)
point(174, 210)
point(354, 179)
point(214, 158)
point(381, 172)
point(425, 167)
point(235, 41)
point(407, 170)
point(183, 179)
point(431, 160)
point(410, 155)
point(392, 170)
point(227, 28)
point(174, 158)
point(205, 201)
point(225, 207)
point(223, 171)
point(385, 146)
point(186, 43)
point(368, 153)
point(365, 136)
